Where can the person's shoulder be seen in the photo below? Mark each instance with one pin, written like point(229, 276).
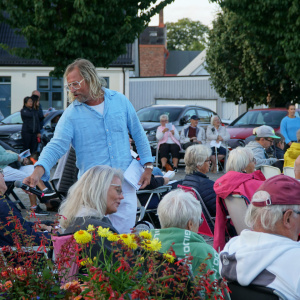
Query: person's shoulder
point(114, 95)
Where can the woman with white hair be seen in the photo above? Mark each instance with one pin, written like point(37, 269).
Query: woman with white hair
point(218, 134)
point(197, 164)
point(96, 195)
point(240, 179)
point(168, 142)
point(179, 214)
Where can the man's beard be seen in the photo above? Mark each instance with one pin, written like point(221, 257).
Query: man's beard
point(82, 99)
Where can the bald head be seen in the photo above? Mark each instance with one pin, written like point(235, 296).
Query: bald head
point(37, 93)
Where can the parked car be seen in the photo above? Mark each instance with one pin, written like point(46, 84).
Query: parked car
point(242, 127)
point(11, 126)
point(179, 115)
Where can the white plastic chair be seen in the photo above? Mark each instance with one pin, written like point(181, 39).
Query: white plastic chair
point(270, 171)
point(289, 171)
point(237, 207)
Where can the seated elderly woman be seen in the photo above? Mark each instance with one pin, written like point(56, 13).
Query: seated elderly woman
point(219, 135)
point(179, 214)
point(242, 179)
point(90, 201)
point(168, 142)
point(197, 164)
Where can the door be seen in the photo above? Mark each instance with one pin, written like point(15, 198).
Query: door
point(5, 96)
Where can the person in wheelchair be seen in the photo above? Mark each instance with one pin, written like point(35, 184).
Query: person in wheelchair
point(268, 255)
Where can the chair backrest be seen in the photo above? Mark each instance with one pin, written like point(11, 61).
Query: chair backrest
point(58, 242)
point(270, 171)
point(252, 292)
point(289, 171)
point(204, 228)
point(237, 207)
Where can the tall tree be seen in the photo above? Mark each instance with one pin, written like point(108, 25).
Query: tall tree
point(59, 31)
point(271, 29)
point(186, 34)
point(242, 69)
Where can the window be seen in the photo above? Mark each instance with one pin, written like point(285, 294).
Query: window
point(5, 79)
point(190, 113)
point(204, 116)
point(52, 92)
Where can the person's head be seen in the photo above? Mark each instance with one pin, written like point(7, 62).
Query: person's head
point(36, 93)
point(215, 121)
point(265, 135)
point(99, 189)
point(241, 159)
point(36, 101)
point(279, 143)
point(179, 209)
point(83, 81)
point(28, 102)
point(291, 109)
point(164, 119)
point(3, 186)
point(194, 121)
point(275, 207)
point(197, 158)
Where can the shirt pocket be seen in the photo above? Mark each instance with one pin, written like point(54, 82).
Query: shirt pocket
point(117, 122)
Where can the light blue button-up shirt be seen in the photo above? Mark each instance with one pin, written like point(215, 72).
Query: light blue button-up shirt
point(98, 139)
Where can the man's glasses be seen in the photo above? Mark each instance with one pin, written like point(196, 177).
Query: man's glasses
point(75, 85)
point(271, 140)
point(118, 189)
point(208, 160)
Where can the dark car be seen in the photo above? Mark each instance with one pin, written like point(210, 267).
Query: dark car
point(11, 126)
point(242, 127)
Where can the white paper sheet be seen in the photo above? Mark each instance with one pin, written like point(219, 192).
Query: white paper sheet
point(133, 174)
point(169, 174)
point(133, 154)
point(24, 154)
point(214, 143)
point(169, 126)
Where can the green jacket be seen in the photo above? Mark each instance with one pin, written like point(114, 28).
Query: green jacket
point(7, 158)
point(188, 242)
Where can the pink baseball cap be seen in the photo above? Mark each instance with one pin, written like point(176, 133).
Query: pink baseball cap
point(283, 190)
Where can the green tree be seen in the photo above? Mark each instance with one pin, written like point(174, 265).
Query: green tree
point(59, 31)
point(240, 72)
point(186, 34)
point(263, 39)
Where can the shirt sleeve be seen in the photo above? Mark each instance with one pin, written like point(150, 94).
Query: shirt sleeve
point(176, 134)
point(201, 135)
point(183, 138)
point(7, 157)
point(261, 159)
point(283, 130)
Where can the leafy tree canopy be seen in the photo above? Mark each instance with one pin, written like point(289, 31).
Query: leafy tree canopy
point(186, 34)
point(254, 50)
point(59, 31)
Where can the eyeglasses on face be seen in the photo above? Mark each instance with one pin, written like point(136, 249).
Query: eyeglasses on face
point(76, 85)
point(208, 160)
point(295, 211)
point(118, 188)
point(269, 140)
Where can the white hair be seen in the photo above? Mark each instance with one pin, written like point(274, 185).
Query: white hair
point(177, 208)
point(164, 117)
point(195, 155)
point(268, 215)
point(238, 159)
point(212, 119)
point(90, 191)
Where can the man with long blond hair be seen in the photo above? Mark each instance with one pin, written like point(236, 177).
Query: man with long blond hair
point(97, 123)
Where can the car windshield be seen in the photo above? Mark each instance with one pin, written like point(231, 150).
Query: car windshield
point(261, 117)
point(15, 118)
point(152, 114)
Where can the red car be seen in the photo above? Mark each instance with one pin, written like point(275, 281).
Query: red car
point(243, 126)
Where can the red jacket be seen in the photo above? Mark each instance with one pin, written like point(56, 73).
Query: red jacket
point(232, 183)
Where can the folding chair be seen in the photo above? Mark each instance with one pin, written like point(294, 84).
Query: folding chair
point(270, 171)
point(252, 291)
point(10, 191)
point(204, 229)
point(143, 210)
point(237, 206)
point(289, 171)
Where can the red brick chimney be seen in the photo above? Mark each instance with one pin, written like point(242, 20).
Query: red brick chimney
point(161, 18)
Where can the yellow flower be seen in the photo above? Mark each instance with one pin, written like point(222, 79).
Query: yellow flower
point(82, 237)
point(126, 238)
point(146, 234)
point(142, 258)
point(133, 245)
point(170, 258)
point(86, 261)
point(153, 245)
point(113, 237)
point(91, 228)
point(103, 232)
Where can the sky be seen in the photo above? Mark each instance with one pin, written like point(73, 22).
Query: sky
point(197, 10)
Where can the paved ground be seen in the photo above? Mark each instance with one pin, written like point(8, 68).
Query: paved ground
point(52, 216)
